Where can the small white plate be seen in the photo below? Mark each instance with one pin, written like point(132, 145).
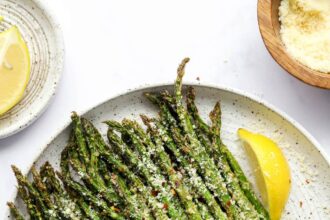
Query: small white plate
point(310, 194)
point(44, 39)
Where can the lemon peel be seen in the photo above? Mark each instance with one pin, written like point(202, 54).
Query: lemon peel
point(272, 170)
point(14, 68)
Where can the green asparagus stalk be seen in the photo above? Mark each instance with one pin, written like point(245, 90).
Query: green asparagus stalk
point(244, 183)
point(52, 184)
point(91, 146)
point(42, 190)
point(87, 211)
point(88, 168)
point(103, 148)
point(133, 201)
point(212, 148)
point(65, 205)
point(146, 166)
point(67, 154)
point(115, 162)
point(92, 131)
point(64, 160)
point(159, 131)
point(207, 168)
point(201, 161)
point(14, 211)
point(159, 157)
point(203, 209)
point(104, 192)
point(131, 209)
point(196, 150)
point(92, 137)
point(105, 173)
point(221, 153)
point(93, 199)
point(193, 111)
point(80, 139)
point(23, 193)
point(160, 134)
point(164, 161)
point(41, 211)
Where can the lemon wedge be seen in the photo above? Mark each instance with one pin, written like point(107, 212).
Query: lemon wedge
point(272, 170)
point(14, 68)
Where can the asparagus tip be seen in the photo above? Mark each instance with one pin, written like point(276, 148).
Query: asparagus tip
point(10, 204)
point(126, 121)
point(146, 120)
point(191, 94)
point(181, 67)
point(34, 170)
point(152, 97)
point(216, 112)
point(74, 115)
point(16, 170)
point(47, 164)
point(113, 124)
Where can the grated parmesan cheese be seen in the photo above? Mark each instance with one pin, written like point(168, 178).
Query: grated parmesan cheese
point(305, 32)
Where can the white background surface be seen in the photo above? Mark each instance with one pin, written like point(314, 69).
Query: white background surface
point(113, 46)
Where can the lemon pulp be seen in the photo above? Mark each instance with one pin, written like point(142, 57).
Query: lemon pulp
point(14, 68)
point(272, 171)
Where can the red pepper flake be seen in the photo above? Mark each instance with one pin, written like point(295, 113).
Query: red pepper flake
point(228, 204)
point(154, 193)
point(307, 181)
point(300, 204)
point(165, 206)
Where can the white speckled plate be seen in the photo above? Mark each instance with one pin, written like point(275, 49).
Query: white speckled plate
point(44, 40)
point(310, 194)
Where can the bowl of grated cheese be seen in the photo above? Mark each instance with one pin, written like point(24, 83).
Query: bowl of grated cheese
point(296, 34)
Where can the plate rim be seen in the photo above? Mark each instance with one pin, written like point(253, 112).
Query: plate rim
point(244, 94)
point(57, 28)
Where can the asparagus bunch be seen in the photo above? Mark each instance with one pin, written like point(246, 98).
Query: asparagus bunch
point(163, 140)
point(210, 136)
point(146, 168)
point(178, 168)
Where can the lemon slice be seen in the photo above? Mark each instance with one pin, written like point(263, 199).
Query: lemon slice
point(272, 171)
point(14, 68)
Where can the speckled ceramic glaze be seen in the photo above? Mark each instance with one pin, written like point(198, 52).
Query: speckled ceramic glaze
point(45, 44)
point(310, 194)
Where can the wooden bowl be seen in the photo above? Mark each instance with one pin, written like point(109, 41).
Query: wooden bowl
point(269, 26)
